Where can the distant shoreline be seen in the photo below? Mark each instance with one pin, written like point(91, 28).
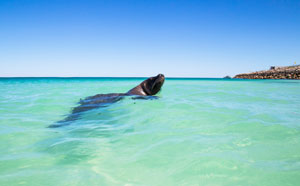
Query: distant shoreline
point(287, 72)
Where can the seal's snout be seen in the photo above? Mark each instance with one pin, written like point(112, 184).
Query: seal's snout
point(160, 75)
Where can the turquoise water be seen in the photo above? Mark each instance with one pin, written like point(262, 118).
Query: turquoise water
point(199, 132)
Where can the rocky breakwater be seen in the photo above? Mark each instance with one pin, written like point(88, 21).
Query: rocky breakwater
point(289, 72)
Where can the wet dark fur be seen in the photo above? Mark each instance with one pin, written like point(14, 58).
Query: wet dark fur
point(145, 90)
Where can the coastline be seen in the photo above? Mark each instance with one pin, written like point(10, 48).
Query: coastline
point(287, 72)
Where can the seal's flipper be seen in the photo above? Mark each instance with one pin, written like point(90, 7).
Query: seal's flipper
point(67, 121)
point(97, 101)
point(59, 124)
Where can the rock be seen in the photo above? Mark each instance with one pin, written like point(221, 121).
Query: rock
point(227, 77)
point(289, 72)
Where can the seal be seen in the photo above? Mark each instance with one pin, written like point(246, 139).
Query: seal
point(145, 90)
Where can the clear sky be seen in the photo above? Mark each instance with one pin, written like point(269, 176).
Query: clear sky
point(179, 38)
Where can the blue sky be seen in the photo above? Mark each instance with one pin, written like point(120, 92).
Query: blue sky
point(143, 38)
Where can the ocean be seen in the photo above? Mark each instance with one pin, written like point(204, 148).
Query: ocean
point(199, 132)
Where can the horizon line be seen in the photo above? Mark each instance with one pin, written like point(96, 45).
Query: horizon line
point(66, 77)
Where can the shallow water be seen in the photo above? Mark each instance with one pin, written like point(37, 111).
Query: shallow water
point(199, 132)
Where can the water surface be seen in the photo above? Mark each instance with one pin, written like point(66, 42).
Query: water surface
point(199, 132)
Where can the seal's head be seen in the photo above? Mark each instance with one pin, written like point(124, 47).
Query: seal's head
point(150, 86)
